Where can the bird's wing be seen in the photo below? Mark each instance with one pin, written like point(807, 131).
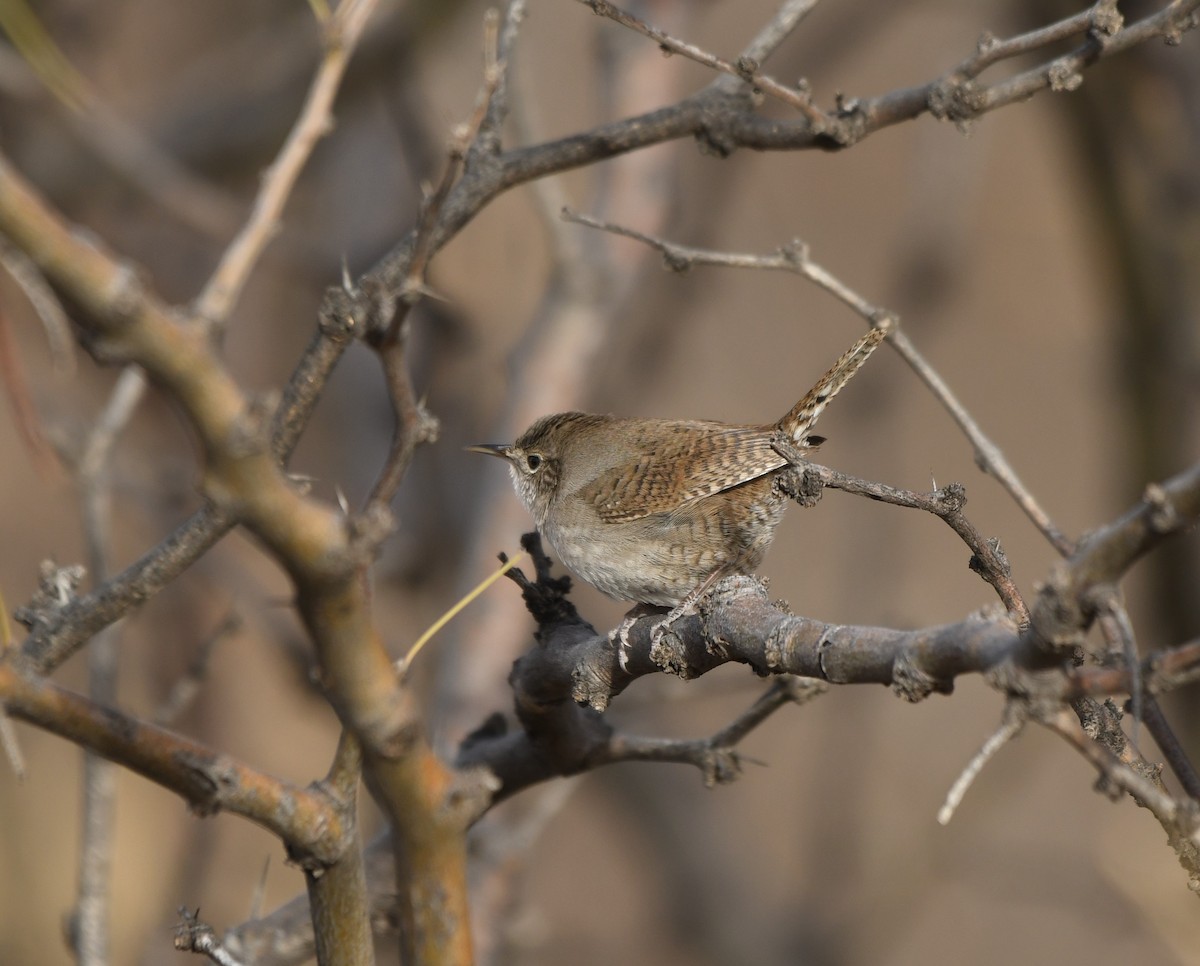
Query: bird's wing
point(681, 462)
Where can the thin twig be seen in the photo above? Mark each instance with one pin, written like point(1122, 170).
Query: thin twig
point(1006, 732)
point(1120, 776)
point(45, 303)
point(1164, 670)
point(487, 140)
point(25, 413)
point(464, 135)
point(405, 662)
point(988, 456)
point(715, 756)
point(987, 558)
point(413, 424)
point(745, 68)
point(341, 33)
point(776, 30)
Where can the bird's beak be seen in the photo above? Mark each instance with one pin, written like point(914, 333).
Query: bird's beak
point(489, 449)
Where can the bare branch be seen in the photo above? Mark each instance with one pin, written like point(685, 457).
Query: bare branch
point(414, 424)
point(987, 558)
point(574, 666)
point(338, 894)
point(776, 30)
point(1162, 671)
point(746, 68)
point(1067, 602)
point(209, 781)
point(1013, 722)
point(715, 756)
point(1181, 820)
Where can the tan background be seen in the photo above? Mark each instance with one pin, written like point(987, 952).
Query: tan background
point(995, 250)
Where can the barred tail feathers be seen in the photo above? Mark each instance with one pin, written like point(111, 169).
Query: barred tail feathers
point(803, 416)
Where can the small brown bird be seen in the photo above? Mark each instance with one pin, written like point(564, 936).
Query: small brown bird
point(657, 510)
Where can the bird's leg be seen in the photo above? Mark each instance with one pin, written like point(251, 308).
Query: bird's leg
point(687, 606)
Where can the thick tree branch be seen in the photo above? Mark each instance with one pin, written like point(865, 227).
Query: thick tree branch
point(305, 819)
point(563, 684)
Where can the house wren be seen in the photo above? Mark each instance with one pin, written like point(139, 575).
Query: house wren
point(657, 510)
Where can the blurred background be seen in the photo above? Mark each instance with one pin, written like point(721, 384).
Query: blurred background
point(1044, 260)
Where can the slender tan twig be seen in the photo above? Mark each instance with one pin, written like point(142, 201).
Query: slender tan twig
point(341, 33)
point(405, 662)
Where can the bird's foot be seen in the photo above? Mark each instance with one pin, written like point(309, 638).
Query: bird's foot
point(619, 636)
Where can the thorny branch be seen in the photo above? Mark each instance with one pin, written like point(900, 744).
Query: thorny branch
point(720, 118)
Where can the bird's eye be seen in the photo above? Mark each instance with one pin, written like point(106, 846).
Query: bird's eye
point(534, 462)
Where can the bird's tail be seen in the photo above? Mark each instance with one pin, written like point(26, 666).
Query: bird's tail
point(803, 416)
